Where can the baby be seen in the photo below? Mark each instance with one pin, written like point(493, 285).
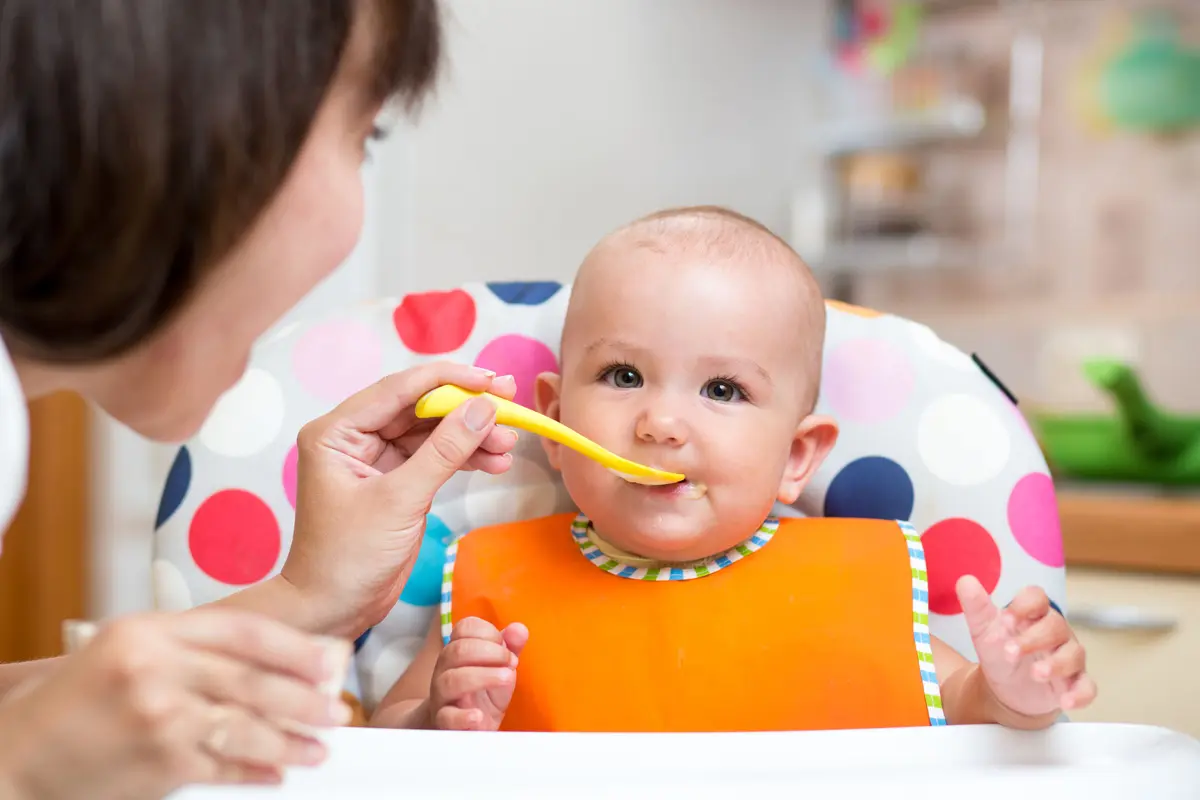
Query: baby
point(693, 343)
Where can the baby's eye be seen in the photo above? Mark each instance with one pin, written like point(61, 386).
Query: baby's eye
point(623, 377)
point(722, 391)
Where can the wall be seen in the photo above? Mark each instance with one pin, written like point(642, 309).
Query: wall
point(555, 122)
point(1117, 264)
point(558, 121)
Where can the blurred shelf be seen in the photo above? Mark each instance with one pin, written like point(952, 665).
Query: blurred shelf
point(962, 119)
point(897, 254)
point(1135, 532)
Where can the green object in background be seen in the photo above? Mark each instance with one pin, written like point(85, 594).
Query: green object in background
point(1139, 442)
point(892, 50)
point(1154, 84)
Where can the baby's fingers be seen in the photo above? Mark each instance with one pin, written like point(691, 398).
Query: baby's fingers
point(1046, 635)
point(455, 684)
point(1066, 663)
point(475, 653)
point(453, 718)
point(1080, 695)
point(1030, 604)
point(476, 628)
point(516, 636)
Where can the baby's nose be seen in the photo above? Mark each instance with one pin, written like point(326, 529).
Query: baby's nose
point(661, 427)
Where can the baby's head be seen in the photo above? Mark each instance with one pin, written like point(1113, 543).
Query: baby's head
point(692, 343)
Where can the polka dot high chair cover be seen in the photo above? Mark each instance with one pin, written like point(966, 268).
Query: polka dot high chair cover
point(927, 435)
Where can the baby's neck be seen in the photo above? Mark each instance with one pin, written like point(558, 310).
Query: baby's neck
point(636, 560)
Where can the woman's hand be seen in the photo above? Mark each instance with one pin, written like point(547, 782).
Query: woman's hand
point(160, 701)
point(368, 472)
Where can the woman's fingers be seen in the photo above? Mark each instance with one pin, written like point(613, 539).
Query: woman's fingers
point(269, 695)
point(393, 397)
point(266, 644)
point(232, 734)
point(447, 450)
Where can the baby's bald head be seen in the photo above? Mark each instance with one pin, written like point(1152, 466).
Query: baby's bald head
point(684, 242)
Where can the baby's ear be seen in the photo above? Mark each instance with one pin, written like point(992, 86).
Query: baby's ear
point(546, 399)
point(815, 437)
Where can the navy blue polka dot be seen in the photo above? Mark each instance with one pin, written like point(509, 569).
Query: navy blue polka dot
point(525, 293)
point(424, 587)
point(872, 487)
point(178, 481)
point(360, 641)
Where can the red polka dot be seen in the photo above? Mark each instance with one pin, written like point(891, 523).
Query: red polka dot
point(290, 466)
point(435, 322)
point(234, 538)
point(953, 548)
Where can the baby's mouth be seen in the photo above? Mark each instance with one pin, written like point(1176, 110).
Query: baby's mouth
point(683, 490)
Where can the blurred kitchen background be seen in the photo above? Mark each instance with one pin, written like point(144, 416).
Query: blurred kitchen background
point(1021, 175)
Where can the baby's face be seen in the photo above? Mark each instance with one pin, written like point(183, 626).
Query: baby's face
point(691, 367)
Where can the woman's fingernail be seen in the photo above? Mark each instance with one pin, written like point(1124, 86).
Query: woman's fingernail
point(334, 662)
point(313, 753)
point(479, 413)
point(486, 372)
point(339, 712)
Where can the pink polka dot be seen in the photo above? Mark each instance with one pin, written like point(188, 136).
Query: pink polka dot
point(290, 465)
point(234, 537)
point(521, 357)
point(435, 322)
point(867, 380)
point(335, 359)
point(1033, 517)
point(953, 548)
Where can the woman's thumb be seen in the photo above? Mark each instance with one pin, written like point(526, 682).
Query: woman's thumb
point(446, 451)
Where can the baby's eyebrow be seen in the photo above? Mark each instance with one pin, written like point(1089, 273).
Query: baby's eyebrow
point(615, 344)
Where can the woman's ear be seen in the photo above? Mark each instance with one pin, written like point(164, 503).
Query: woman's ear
point(546, 400)
point(815, 437)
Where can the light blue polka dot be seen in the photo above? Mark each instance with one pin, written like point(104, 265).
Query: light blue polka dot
point(424, 587)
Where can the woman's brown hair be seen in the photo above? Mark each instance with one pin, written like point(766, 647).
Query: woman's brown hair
point(140, 140)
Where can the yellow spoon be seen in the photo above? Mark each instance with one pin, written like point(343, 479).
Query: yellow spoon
point(444, 399)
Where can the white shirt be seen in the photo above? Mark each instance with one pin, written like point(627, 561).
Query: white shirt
point(14, 441)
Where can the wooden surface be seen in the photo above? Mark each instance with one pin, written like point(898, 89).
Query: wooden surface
point(1130, 532)
point(43, 571)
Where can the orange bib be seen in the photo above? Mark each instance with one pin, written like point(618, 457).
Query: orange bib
point(810, 624)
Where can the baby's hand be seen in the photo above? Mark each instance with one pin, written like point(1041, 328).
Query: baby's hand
point(475, 676)
point(1028, 653)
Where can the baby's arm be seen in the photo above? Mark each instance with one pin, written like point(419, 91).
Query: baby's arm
point(406, 704)
point(1031, 666)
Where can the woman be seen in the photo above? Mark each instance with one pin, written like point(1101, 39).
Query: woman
point(175, 176)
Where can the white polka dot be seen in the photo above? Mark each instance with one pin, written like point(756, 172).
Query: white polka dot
point(171, 592)
point(247, 418)
point(525, 491)
point(944, 352)
point(390, 662)
point(962, 440)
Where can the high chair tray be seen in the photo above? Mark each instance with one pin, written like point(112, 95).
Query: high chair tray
point(977, 762)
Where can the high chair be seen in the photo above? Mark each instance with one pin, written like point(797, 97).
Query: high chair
point(928, 435)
